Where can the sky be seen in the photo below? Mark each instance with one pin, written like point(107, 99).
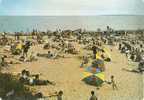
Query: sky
point(71, 7)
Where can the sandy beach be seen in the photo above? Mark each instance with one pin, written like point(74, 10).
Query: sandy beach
point(71, 50)
point(67, 75)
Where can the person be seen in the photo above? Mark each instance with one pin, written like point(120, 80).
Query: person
point(141, 66)
point(94, 48)
point(114, 86)
point(39, 96)
point(85, 60)
point(132, 57)
point(2, 61)
point(24, 76)
point(98, 69)
point(93, 96)
point(120, 46)
point(49, 55)
point(127, 52)
point(59, 96)
point(37, 81)
point(141, 46)
point(32, 57)
point(26, 47)
point(22, 58)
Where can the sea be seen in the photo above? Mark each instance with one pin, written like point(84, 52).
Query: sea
point(90, 23)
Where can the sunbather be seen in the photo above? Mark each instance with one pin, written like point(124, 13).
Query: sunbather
point(37, 81)
point(24, 78)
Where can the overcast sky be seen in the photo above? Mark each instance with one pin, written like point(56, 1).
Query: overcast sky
point(71, 7)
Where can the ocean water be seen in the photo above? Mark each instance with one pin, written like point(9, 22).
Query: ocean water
point(43, 23)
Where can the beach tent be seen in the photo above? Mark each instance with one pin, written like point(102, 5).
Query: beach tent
point(93, 79)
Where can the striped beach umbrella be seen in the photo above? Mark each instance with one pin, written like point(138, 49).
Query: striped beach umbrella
point(93, 79)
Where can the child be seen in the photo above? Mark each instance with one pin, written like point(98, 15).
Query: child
point(93, 96)
point(59, 96)
point(114, 86)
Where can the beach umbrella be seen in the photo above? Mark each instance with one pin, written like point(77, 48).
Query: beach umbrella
point(93, 70)
point(93, 79)
point(98, 56)
point(98, 63)
point(19, 46)
point(97, 66)
point(107, 53)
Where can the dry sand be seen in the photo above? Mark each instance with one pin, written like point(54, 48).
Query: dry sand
point(67, 75)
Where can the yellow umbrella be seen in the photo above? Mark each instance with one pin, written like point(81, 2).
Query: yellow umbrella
point(100, 75)
point(86, 74)
point(98, 55)
point(19, 46)
point(93, 79)
point(107, 53)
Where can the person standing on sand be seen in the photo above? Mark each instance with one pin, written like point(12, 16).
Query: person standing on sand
point(93, 96)
point(59, 96)
point(94, 49)
point(120, 46)
point(114, 86)
point(26, 47)
point(85, 61)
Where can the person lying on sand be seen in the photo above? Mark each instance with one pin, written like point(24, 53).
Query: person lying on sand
point(37, 81)
point(140, 68)
point(24, 78)
point(47, 46)
point(31, 57)
point(39, 95)
point(29, 79)
point(22, 58)
point(131, 70)
point(13, 62)
point(58, 94)
point(49, 55)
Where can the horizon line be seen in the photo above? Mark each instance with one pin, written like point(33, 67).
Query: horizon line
point(80, 15)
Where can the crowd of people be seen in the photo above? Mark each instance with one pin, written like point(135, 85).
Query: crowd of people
point(133, 49)
point(62, 43)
